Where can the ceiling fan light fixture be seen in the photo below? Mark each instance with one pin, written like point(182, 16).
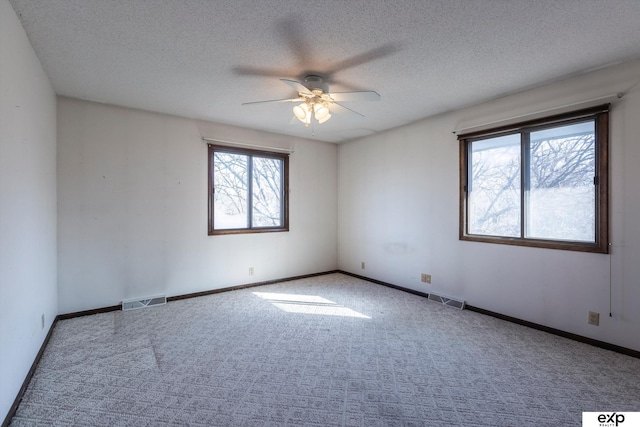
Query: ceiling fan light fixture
point(303, 113)
point(324, 119)
point(300, 111)
point(315, 99)
point(327, 117)
point(321, 112)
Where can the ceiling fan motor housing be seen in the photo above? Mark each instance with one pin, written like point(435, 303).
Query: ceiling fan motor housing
point(315, 83)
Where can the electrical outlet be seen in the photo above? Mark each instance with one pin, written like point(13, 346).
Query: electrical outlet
point(42, 321)
point(425, 278)
point(362, 265)
point(250, 271)
point(594, 318)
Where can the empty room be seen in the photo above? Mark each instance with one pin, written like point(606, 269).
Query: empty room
point(332, 213)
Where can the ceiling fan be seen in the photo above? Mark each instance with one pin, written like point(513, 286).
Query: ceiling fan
point(316, 102)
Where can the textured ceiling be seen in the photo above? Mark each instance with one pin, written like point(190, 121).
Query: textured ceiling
point(203, 58)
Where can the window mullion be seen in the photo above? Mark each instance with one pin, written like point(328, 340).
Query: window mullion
point(250, 192)
point(283, 189)
point(468, 184)
point(525, 182)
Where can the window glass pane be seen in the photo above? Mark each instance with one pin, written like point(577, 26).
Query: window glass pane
point(231, 191)
point(267, 190)
point(562, 193)
point(494, 187)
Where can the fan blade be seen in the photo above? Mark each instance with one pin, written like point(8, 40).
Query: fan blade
point(342, 109)
point(299, 87)
point(273, 101)
point(263, 72)
point(363, 58)
point(292, 32)
point(355, 96)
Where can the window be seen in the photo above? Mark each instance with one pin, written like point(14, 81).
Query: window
point(541, 183)
point(248, 191)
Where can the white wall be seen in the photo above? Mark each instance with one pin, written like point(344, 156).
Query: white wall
point(132, 197)
point(27, 206)
point(398, 212)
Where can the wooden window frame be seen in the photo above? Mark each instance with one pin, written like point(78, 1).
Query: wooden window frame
point(284, 157)
point(600, 115)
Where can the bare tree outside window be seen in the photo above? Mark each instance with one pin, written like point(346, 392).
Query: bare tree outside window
point(494, 195)
point(247, 191)
point(231, 191)
point(267, 192)
point(562, 194)
point(542, 184)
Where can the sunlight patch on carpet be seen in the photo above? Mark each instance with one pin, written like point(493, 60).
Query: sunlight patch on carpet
point(308, 304)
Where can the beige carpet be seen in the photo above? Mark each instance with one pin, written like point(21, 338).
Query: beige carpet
point(326, 351)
